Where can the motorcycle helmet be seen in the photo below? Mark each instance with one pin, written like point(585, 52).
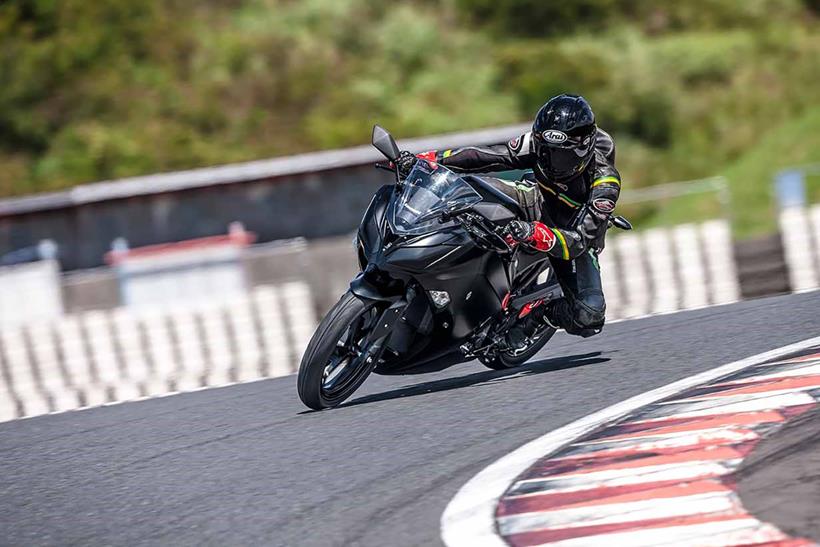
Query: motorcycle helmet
point(564, 136)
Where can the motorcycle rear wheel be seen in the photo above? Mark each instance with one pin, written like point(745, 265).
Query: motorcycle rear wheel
point(505, 360)
point(335, 362)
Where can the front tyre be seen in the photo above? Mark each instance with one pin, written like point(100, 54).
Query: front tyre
point(339, 358)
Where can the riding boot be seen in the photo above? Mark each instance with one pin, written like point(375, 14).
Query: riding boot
point(560, 315)
point(527, 327)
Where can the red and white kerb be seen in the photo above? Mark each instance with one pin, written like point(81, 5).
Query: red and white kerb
point(663, 475)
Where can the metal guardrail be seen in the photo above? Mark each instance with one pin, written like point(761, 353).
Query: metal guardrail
point(720, 185)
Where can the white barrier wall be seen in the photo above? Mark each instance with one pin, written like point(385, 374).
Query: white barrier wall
point(29, 292)
point(191, 270)
point(800, 229)
point(663, 270)
point(107, 356)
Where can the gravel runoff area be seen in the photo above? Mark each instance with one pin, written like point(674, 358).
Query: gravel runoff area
point(779, 482)
point(247, 465)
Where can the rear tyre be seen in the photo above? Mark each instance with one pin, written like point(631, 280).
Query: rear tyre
point(338, 359)
point(505, 360)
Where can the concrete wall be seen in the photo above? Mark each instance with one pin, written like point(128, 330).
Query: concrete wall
point(109, 355)
point(29, 292)
point(100, 357)
point(801, 244)
point(104, 352)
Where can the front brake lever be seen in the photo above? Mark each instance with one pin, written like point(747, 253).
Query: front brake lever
point(492, 235)
point(501, 236)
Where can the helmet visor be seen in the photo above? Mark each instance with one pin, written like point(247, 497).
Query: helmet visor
point(566, 159)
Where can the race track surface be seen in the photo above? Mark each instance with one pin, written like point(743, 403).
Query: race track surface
point(780, 481)
point(246, 465)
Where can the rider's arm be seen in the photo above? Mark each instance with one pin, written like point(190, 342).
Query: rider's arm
point(558, 242)
point(516, 154)
point(592, 220)
point(606, 181)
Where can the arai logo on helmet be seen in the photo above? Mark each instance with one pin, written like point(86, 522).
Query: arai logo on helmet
point(554, 136)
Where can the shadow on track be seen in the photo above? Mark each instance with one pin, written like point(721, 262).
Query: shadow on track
point(533, 367)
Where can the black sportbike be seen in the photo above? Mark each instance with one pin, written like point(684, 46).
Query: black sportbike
point(439, 283)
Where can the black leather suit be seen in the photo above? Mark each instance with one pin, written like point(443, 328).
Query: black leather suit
point(575, 210)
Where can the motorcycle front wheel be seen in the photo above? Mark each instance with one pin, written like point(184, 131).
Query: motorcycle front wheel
point(339, 358)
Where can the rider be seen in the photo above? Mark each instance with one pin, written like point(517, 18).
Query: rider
point(573, 164)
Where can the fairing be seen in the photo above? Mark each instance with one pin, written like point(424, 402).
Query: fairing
point(433, 256)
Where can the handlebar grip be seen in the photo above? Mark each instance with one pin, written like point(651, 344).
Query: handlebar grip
point(620, 222)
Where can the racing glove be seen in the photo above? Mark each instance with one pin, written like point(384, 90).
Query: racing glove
point(535, 233)
point(592, 223)
point(405, 162)
point(519, 231)
point(593, 219)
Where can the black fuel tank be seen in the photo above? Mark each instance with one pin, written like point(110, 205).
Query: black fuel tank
point(439, 251)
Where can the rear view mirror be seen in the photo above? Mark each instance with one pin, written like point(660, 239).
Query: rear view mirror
point(384, 143)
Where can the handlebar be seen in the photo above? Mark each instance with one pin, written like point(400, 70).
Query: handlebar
point(479, 227)
point(620, 222)
point(494, 235)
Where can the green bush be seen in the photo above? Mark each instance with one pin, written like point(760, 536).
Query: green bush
point(538, 18)
point(112, 88)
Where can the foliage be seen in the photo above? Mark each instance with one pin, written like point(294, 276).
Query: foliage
point(112, 88)
point(537, 18)
point(118, 87)
point(756, 169)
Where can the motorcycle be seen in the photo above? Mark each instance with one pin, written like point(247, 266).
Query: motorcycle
point(439, 281)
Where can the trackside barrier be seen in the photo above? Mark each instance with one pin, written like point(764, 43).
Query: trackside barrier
point(30, 291)
point(663, 270)
point(104, 356)
point(800, 230)
point(115, 355)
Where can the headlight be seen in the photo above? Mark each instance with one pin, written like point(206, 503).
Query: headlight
point(440, 298)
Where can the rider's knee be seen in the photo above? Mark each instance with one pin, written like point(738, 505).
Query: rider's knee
point(590, 310)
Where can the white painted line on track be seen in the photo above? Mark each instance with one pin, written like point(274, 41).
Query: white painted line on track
point(469, 519)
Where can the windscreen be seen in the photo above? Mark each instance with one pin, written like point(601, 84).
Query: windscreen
point(428, 191)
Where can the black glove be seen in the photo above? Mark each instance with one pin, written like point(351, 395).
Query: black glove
point(593, 221)
point(405, 162)
point(519, 230)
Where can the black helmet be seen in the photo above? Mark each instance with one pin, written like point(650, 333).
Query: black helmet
point(564, 136)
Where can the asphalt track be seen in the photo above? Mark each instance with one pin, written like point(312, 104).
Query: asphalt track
point(246, 465)
point(780, 480)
